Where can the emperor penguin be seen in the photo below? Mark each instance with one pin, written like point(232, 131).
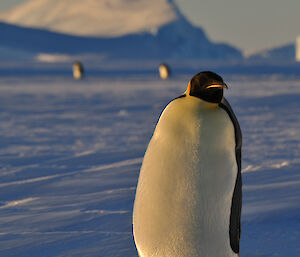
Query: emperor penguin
point(189, 193)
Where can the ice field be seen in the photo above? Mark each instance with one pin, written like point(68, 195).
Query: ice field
point(70, 153)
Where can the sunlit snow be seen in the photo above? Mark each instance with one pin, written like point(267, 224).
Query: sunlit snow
point(71, 152)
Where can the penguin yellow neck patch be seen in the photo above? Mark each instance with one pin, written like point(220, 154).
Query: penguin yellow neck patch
point(187, 92)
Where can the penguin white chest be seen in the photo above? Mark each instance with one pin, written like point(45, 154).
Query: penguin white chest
point(184, 194)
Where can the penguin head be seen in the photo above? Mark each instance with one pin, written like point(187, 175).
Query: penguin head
point(207, 86)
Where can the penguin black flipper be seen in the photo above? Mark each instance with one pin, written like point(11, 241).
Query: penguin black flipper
point(236, 206)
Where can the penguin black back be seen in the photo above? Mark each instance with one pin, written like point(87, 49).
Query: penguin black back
point(236, 206)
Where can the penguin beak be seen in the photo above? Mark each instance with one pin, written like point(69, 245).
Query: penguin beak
point(223, 85)
point(219, 85)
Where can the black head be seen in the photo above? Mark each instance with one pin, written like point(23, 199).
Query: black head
point(207, 86)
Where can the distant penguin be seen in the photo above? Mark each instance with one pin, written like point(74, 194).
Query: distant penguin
point(164, 71)
point(189, 194)
point(78, 70)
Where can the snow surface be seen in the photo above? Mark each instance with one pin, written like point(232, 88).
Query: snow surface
point(71, 152)
point(8, 54)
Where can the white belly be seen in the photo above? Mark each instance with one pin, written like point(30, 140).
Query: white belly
point(184, 193)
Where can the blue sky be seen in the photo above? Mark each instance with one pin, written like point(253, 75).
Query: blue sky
point(250, 25)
